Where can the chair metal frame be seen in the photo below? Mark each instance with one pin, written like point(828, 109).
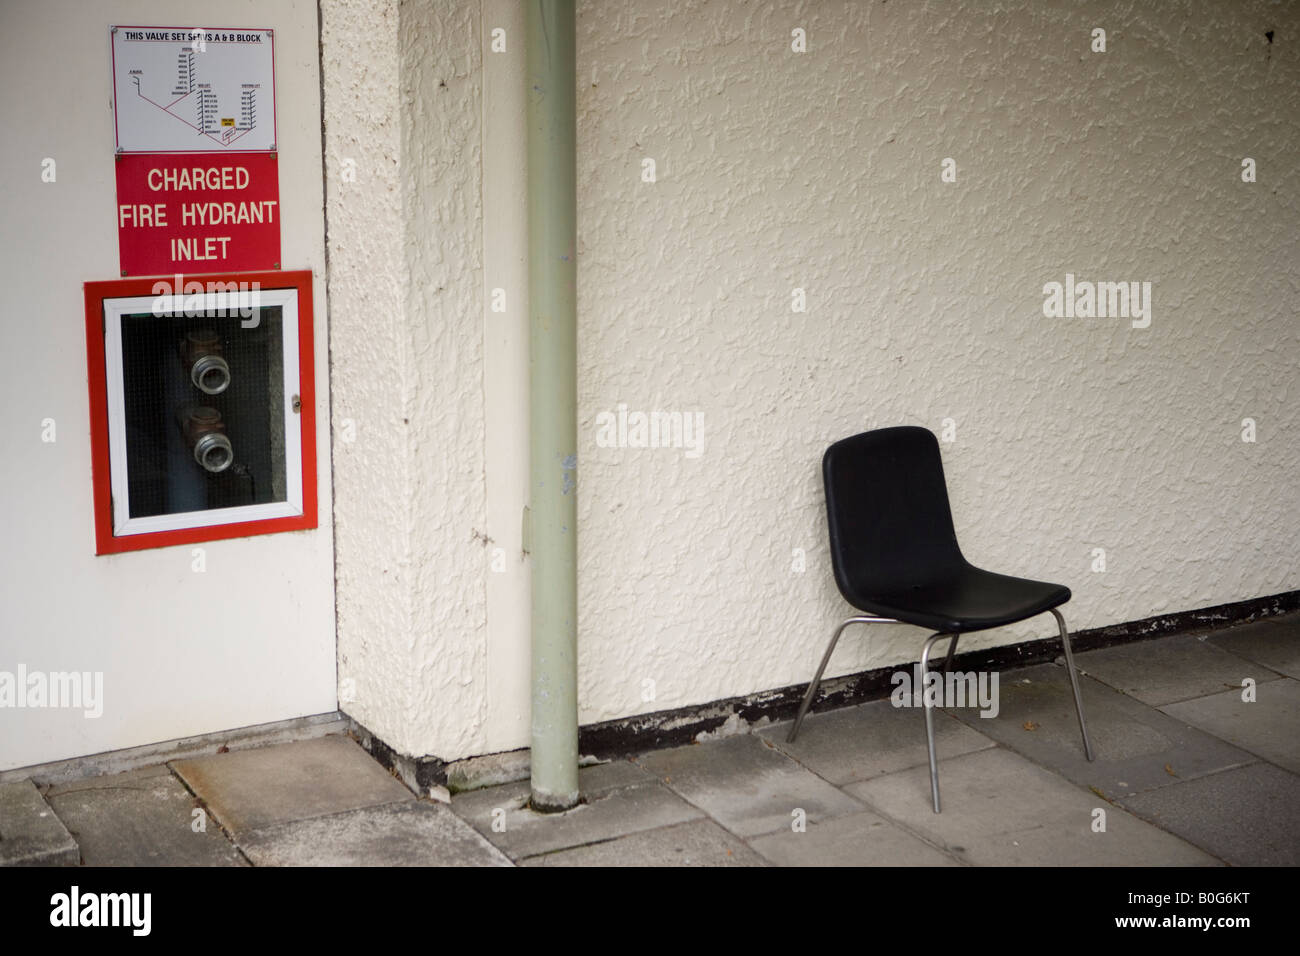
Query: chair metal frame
point(925, 670)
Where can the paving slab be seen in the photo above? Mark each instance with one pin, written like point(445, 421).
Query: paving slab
point(999, 809)
point(251, 789)
point(592, 781)
point(1268, 726)
point(859, 839)
point(1246, 816)
point(599, 778)
point(698, 843)
point(1171, 669)
point(30, 832)
point(140, 818)
point(1137, 747)
point(858, 743)
point(746, 784)
point(410, 833)
point(1273, 642)
point(619, 798)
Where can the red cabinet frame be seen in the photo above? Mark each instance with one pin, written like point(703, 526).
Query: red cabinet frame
point(96, 293)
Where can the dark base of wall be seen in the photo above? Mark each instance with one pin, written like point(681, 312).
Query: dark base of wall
point(671, 728)
point(418, 773)
point(626, 736)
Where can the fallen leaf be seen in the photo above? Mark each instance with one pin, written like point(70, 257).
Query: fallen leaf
point(1170, 770)
point(1030, 725)
point(223, 749)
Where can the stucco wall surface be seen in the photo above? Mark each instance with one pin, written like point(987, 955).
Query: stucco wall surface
point(402, 93)
point(706, 574)
point(778, 170)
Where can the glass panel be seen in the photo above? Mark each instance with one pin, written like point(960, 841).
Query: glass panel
point(204, 403)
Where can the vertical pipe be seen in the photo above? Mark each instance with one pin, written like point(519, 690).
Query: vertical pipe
point(553, 401)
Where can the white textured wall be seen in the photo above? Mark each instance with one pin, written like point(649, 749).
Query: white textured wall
point(822, 171)
point(250, 640)
point(403, 88)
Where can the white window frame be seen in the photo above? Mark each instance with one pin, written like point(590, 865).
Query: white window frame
point(223, 303)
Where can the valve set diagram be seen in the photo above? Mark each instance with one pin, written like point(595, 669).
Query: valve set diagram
point(193, 89)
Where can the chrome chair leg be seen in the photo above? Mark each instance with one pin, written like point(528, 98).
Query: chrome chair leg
point(929, 714)
point(826, 658)
point(952, 648)
point(1074, 681)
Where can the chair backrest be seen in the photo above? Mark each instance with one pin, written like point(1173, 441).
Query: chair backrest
point(887, 507)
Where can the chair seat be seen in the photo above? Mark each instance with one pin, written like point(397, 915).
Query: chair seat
point(971, 599)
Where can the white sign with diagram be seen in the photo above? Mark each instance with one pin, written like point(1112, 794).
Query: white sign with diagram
point(193, 89)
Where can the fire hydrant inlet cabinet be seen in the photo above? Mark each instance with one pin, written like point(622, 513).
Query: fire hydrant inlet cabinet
point(201, 408)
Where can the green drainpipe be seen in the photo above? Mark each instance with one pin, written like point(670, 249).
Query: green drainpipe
point(553, 401)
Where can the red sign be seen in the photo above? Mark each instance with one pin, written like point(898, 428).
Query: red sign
point(197, 212)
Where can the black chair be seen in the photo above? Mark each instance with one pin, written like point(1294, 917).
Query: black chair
point(896, 557)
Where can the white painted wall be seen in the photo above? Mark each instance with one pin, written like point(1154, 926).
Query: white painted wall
point(505, 384)
point(266, 652)
point(775, 170)
point(821, 171)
